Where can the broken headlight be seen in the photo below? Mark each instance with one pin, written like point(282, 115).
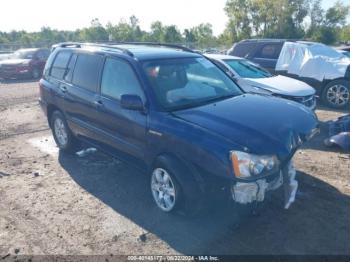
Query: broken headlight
point(248, 165)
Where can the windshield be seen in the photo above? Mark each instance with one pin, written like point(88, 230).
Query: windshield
point(188, 82)
point(20, 54)
point(247, 69)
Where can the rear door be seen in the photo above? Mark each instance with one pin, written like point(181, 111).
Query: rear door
point(267, 55)
point(82, 93)
point(124, 129)
point(55, 76)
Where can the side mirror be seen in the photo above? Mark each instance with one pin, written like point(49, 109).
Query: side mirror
point(132, 102)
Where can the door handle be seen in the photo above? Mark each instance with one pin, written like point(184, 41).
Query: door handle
point(63, 89)
point(98, 103)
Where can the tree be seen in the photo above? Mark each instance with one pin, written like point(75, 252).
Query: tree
point(201, 35)
point(336, 15)
point(190, 37)
point(157, 33)
point(172, 34)
point(238, 12)
point(326, 27)
point(96, 32)
point(345, 34)
point(316, 15)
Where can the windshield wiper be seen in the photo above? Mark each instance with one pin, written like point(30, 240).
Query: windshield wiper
point(204, 102)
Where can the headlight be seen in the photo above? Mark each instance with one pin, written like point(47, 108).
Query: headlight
point(248, 165)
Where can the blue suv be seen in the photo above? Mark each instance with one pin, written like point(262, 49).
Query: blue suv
point(171, 112)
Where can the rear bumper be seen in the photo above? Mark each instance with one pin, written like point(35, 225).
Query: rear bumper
point(43, 106)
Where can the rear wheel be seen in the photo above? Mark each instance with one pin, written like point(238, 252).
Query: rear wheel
point(64, 138)
point(337, 94)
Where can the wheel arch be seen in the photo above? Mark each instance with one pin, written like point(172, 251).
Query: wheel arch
point(50, 109)
point(187, 172)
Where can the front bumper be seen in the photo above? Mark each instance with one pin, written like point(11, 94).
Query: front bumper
point(249, 192)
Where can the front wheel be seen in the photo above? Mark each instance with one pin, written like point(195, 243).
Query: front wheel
point(336, 94)
point(165, 190)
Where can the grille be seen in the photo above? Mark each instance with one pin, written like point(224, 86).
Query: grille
point(308, 101)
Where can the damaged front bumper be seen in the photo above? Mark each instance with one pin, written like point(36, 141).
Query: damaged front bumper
point(249, 192)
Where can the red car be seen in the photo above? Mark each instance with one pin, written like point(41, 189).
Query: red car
point(24, 63)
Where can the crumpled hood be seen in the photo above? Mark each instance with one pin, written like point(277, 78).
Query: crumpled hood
point(262, 124)
point(14, 61)
point(280, 85)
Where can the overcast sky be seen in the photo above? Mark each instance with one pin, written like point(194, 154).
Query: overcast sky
point(31, 15)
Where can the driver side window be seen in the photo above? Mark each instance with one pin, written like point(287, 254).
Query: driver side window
point(119, 79)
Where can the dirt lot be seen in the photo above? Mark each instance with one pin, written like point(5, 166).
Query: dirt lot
point(51, 203)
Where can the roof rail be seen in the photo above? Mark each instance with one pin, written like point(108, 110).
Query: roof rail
point(79, 45)
point(114, 45)
point(174, 46)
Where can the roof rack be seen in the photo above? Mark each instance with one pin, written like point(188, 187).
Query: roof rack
point(174, 46)
point(114, 45)
point(79, 45)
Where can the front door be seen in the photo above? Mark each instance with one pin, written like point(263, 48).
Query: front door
point(124, 129)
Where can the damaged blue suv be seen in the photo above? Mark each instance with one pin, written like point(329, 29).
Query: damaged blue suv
point(174, 114)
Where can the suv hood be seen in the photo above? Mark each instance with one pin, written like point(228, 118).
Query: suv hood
point(14, 61)
point(280, 85)
point(262, 124)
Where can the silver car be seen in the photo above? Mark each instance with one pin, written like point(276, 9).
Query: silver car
point(253, 78)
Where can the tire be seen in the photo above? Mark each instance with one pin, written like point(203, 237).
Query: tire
point(168, 174)
point(64, 138)
point(36, 73)
point(336, 94)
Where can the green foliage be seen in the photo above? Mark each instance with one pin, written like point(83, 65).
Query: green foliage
point(291, 19)
point(345, 34)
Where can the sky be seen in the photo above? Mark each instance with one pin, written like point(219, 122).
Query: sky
point(31, 15)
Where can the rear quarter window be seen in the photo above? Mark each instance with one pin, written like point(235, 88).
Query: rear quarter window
point(59, 65)
point(87, 71)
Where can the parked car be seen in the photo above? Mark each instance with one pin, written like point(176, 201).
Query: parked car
point(4, 55)
point(345, 50)
point(252, 78)
point(175, 115)
point(24, 63)
point(319, 65)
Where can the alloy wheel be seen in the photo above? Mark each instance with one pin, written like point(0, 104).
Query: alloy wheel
point(60, 132)
point(338, 95)
point(163, 189)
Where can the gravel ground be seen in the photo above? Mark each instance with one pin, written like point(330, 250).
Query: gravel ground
point(51, 203)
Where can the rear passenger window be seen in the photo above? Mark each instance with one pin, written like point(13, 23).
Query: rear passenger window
point(87, 71)
point(59, 65)
point(119, 79)
point(269, 51)
point(70, 68)
point(243, 49)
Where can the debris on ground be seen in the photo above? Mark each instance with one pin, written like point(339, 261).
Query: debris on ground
point(339, 133)
point(85, 152)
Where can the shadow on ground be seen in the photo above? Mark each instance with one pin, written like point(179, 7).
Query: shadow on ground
point(18, 81)
point(318, 223)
